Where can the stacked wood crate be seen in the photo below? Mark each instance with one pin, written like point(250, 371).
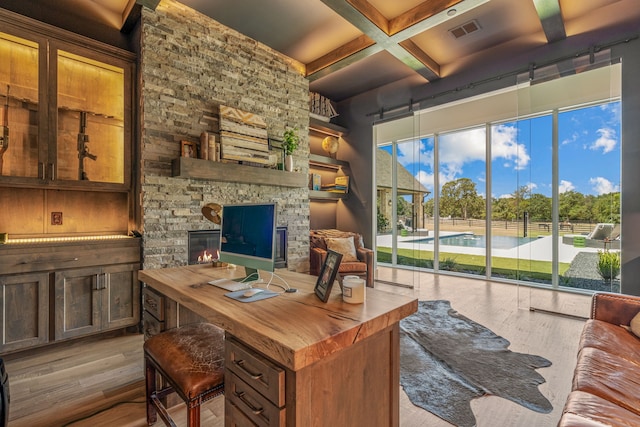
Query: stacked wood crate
point(243, 136)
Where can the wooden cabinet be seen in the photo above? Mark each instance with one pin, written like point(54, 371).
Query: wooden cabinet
point(95, 299)
point(57, 291)
point(68, 107)
point(24, 311)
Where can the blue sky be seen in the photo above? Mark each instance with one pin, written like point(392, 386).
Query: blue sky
point(589, 154)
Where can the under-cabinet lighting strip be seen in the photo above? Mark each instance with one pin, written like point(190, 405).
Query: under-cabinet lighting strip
point(65, 239)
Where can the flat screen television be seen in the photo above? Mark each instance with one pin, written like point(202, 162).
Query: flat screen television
point(248, 237)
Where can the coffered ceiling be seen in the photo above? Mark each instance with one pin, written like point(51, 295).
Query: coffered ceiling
point(351, 46)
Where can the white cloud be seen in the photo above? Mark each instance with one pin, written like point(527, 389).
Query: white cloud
point(574, 138)
point(603, 186)
point(459, 148)
point(565, 186)
point(504, 144)
point(414, 152)
point(606, 141)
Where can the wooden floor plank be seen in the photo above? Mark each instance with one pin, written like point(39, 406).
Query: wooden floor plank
point(70, 382)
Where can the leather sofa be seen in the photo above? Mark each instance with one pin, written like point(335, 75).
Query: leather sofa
point(361, 267)
point(606, 381)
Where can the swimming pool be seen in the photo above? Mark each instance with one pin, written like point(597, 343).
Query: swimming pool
point(475, 241)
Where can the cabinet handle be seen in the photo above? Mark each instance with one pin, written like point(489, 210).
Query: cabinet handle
point(240, 364)
point(253, 409)
point(52, 171)
point(41, 171)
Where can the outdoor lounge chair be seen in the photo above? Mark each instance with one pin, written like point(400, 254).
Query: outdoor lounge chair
point(601, 231)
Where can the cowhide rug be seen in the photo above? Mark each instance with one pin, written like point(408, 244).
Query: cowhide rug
point(447, 359)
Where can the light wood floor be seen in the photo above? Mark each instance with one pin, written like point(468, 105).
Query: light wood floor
point(56, 387)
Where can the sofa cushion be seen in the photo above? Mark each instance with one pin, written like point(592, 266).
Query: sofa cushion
point(608, 376)
point(345, 246)
point(352, 267)
point(585, 409)
point(611, 338)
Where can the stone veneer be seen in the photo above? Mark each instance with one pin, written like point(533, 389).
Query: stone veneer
point(190, 64)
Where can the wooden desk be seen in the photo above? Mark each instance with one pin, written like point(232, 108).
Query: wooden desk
point(341, 361)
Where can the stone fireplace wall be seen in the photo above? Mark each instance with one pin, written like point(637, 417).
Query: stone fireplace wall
point(189, 65)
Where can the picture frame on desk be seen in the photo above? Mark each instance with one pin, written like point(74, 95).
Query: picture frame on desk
point(327, 275)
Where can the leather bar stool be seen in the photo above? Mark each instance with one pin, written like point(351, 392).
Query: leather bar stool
point(191, 360)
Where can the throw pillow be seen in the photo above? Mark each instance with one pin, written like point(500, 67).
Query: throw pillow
point(345, 246)
point(634, 326)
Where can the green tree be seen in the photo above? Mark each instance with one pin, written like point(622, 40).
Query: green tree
point(572, 207)
point(429, 207)
point(606, 208)
point(539, 207)
point(460, 199)
point(404, 208)
point(503, 209)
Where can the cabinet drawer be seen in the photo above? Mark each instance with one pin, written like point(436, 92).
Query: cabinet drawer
point(153, 302)
point(234, 417)
point(151, 325)
point(260, 373)
point(251, 403)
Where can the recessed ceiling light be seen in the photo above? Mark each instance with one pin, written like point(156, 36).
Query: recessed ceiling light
point(451, 12)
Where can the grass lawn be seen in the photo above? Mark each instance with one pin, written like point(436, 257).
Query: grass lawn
point(511, 268)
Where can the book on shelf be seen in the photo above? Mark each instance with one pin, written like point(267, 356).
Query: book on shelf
point(335, 188)
point(340, 185)
point(314, 181)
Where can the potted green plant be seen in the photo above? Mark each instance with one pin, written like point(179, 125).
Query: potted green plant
point(290, 141)
point(608, 265)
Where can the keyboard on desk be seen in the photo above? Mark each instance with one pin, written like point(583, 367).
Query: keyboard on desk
point(230, 285)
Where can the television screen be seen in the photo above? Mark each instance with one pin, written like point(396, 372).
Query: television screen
point(248, 236)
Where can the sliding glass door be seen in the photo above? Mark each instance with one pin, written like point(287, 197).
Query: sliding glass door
point(519, 185)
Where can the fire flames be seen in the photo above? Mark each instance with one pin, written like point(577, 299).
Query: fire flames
point(208, 256)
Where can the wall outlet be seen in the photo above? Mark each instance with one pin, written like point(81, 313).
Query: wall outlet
point(56, 218)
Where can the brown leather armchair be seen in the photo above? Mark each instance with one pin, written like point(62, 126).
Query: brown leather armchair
point(362, 267)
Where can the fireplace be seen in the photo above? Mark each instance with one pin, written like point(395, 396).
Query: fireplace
point(203, 245)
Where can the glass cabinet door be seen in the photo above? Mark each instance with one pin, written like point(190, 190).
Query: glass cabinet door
point(90, 122)
point(20, 153)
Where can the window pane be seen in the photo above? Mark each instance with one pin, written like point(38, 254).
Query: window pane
point(589, 200)
point(462, 172)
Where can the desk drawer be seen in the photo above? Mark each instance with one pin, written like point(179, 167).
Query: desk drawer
point(252, 404)
point(150, 325)
point(153, 302)
point(258, 372)
point(234, 417)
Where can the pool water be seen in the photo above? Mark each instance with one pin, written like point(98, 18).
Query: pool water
point(474, 241)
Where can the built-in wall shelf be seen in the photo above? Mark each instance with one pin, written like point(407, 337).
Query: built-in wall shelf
point(326, 127)
point(326, 162)
point(187, 167)
point(326, 195)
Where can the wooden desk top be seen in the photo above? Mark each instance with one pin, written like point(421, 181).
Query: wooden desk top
point(294, 329)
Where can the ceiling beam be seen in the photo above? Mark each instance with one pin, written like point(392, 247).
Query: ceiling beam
point(551, 19)
point(343, 53)
point(419, 13)
point(390, 35)
point(375, 27)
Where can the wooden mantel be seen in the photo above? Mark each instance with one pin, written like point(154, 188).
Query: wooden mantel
point(187, 167)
